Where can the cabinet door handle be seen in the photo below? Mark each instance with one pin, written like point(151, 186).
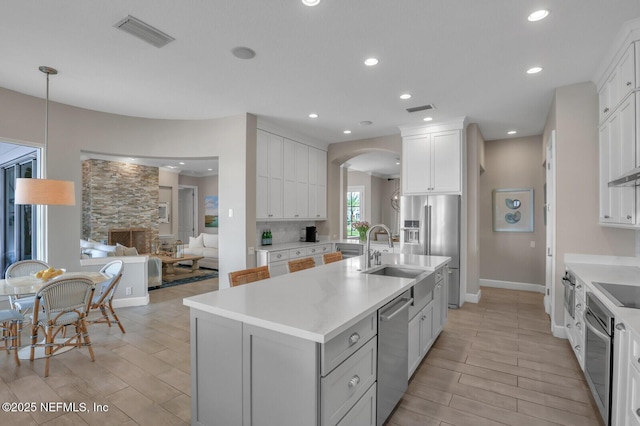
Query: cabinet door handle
point(628, 83)
point(606, 216)
point(577, 348)
point(621, 327)
point(606, 109)
point(354, 381)
point(628, 217)
point(579, 326)
point(579, 306)
point(353, 339)
point(568, 325)
point(579, 286)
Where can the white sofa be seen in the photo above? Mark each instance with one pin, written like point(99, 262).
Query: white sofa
point(203, 245)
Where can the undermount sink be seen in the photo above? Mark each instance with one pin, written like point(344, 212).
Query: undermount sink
point(626, 296)
point(396, 271)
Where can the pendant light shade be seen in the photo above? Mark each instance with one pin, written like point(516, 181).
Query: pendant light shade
point(45, 191)
point(48, 192)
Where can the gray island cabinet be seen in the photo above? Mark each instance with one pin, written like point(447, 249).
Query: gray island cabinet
point(299, 349)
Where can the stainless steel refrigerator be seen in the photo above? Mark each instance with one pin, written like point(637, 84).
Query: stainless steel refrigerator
point(430, 224)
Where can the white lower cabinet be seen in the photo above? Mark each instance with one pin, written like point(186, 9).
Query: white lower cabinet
point(249, 375)
point(632, 409)
point(426, 325)
point(278, 260)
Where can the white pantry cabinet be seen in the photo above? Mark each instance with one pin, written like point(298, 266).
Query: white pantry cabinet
point(432, 159)
point(619, 83)
point(291, 179)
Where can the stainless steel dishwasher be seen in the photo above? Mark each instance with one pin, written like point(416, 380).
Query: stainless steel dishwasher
point(393, 347)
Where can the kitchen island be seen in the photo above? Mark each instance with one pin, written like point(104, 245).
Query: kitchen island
point(295, 349)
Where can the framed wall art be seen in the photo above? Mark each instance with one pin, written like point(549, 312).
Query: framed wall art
point(513, 210)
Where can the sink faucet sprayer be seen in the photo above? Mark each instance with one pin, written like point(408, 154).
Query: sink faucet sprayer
point(368, 251)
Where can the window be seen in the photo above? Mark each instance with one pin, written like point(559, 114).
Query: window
point(355, 208)
point(18, 241)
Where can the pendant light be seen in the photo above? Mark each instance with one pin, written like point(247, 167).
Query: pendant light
point(43, 191)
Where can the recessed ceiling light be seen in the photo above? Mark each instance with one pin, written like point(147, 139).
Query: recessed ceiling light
point(538, 15)
point(428, 118)
point(511, 132)
point(210, 170)
point(366, 123)
point(534, 70)
point(243, 52)
point(371, 62)
point(132, 159)
point(397, 163)
point(181, 163)
point(310, 2)
point(313, 115)
point(405, 96)
point(347, 132)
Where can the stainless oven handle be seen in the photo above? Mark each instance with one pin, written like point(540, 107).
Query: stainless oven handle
point(591, 326)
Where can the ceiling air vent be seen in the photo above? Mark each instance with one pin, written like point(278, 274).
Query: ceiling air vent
point(421, 108)
point(144, 31)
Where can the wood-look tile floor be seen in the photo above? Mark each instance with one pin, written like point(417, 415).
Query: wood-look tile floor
point(143, 376)
point(497, 363)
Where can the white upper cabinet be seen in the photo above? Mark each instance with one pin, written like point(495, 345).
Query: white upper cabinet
point(296, 180)
point(618, 106)
point(431, 161)
point(291, 179)
point(317, 184)
point(270, 176)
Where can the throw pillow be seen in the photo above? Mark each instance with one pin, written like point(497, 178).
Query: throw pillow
point(86, 244)
point(196, 242)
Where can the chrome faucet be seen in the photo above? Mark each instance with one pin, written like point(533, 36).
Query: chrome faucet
point(368, 248)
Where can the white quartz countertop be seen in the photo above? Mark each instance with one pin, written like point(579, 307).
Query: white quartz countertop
point(296, 244)
point(314, 304)
point(590, 269)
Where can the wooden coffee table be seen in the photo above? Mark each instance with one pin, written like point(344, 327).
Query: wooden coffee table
point(169, 262)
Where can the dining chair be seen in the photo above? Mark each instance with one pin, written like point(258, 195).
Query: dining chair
point(11, 326)
point(23, 268)
point(103, 297)
point(300, 264)
point(61, 304)
point(249, 275)
point(336, 256)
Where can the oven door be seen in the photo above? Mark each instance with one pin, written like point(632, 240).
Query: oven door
point(569, 296)
point(597, 364)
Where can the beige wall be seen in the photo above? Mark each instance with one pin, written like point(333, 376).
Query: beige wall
point(574, 116)
point(475, 150)
point(337, 154)
point(73, 130)
point(207, 185)
point(508, 256)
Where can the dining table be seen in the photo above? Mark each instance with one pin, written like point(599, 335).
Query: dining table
point(29, 285)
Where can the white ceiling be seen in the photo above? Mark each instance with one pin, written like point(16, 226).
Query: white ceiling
point(467, 57)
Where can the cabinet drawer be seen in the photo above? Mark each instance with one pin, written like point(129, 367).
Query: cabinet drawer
point(321, 249)
point(340, 347)
point(439, 275)
point(278, 255)
point(580, 290)
point(364, 412)
point(341, 389)
point(297, 252)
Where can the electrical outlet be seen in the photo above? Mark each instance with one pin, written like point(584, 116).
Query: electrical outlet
point(127, 291)
point(251, 251)
point(532, 244)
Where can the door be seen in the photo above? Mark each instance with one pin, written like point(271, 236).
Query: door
point(550, 221)
point(188, 222)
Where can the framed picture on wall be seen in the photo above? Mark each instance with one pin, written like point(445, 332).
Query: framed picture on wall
point(513, 210)
point(211, 211)
point(163, 212)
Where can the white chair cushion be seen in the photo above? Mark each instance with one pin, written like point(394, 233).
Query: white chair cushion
point(95, 253)
point(210, 240)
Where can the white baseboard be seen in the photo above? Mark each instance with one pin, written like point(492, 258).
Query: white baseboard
point(473, 298)
point(511, 285)
point(131, 301)
point(558, 331)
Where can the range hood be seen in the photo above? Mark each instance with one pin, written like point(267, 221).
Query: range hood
point(631, 178)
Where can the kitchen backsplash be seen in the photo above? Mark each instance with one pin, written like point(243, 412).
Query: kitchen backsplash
point(281, 232)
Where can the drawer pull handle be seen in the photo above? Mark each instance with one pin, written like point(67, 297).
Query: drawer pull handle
point(628, 83)
point(353, 339)
point(621, 327)
point(578, 348)
point(579, 286)
point(579, 326)
point(354, 381)
point(628, 217)
point(579, 306)
point(568, 325)
point(606, 110)
point(606, 216)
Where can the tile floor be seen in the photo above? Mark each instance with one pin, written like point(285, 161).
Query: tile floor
point(495, 363)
